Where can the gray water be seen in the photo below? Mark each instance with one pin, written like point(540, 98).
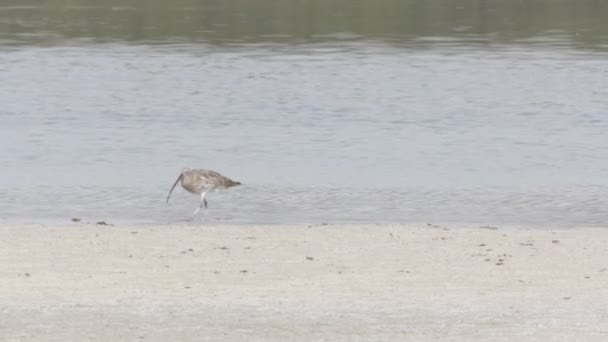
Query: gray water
point(337, 112)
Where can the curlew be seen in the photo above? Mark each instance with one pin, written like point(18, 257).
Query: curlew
point(200, 182)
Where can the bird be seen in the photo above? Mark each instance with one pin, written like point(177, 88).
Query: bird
point(199, 181)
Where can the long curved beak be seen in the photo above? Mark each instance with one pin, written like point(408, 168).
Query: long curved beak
point(173, 187)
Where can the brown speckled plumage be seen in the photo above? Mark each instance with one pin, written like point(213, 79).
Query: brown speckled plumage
point(200, 181)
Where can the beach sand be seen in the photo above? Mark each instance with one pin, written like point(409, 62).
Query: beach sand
point(80, 282)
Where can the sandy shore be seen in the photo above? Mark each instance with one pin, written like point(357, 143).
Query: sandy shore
point(302, 283)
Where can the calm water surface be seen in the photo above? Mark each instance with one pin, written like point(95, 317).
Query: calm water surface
point(364, 111)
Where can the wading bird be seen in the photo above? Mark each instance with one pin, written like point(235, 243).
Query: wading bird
point(200, 182)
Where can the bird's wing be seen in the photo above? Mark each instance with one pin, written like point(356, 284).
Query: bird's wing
point(212, 178)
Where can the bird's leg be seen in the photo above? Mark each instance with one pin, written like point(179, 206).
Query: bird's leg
point(203, 199)
point(203, 202)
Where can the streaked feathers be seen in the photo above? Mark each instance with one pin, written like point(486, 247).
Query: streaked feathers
point(199, 181)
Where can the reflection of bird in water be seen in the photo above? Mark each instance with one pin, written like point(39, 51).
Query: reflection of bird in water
point(200, 182)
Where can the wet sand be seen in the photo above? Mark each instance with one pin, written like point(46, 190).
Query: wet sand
point(79, 282)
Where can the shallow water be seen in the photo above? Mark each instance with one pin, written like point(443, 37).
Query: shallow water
point(337, 123)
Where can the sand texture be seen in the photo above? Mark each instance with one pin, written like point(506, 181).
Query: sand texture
point(80, 282)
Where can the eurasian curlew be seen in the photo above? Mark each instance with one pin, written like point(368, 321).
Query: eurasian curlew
point(200, 182)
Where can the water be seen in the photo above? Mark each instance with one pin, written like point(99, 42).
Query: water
point(365, 111)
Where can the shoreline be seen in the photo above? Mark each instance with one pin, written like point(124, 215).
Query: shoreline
point(302, 282)
point(201, 223)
